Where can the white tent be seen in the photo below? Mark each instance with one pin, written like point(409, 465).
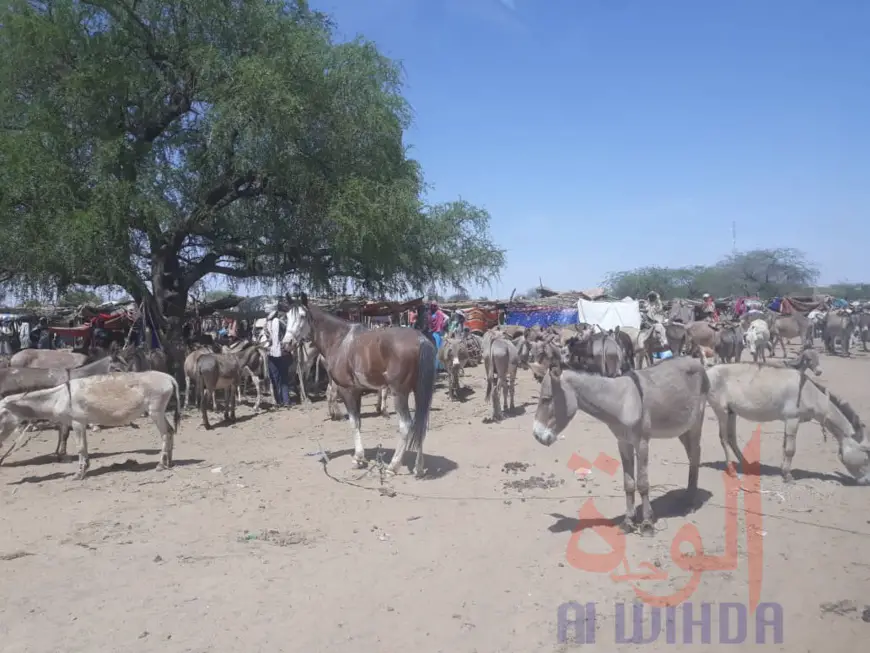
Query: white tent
point(609, 315)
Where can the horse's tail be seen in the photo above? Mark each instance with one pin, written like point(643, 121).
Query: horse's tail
point(423, 393)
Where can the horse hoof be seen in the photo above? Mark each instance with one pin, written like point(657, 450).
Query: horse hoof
point(647, 528)
point(79, 476)
point(787, 478)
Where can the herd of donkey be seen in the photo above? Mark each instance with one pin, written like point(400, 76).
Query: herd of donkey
point(614, 376)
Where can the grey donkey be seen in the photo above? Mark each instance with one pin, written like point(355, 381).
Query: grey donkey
point(500, 362)
point(666, 400)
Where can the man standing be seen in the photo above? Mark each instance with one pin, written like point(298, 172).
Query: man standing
point(437, 319)
point(44, 334)
point(279, 363)
point(709, 308)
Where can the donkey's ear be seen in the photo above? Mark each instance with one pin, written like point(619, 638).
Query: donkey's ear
point(303, 299)
point(555, 370)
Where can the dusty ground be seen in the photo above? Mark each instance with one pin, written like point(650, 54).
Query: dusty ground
point(249, 544)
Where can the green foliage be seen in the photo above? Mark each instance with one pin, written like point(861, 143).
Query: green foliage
point(763, 272)
point(215, 295)
point(847, 290)
point(148, 144)
point(80, 297)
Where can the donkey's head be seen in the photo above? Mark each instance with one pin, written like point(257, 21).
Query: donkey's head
point(298, 320)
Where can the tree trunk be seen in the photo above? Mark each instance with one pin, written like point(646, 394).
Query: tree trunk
point(168, 306)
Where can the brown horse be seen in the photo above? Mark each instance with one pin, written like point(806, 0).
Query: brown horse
point(358, 359)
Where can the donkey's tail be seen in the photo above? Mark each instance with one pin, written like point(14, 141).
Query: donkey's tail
point(423, 393)
point(177, 416)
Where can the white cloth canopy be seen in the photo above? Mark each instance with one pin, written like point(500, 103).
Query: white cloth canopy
point(609, 315)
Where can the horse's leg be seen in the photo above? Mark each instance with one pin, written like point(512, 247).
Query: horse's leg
point(626, 453)
point(81, 435)
point(352, 402)
point(400, 402)
point(789, 445)
point(232, 401)
point(186, 390)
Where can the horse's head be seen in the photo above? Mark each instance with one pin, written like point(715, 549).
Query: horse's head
point(298, 320)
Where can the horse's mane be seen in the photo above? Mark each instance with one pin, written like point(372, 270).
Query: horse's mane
point(842, 405)
point(329, 318)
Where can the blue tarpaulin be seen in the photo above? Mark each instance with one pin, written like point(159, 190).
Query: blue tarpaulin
point(543, 317)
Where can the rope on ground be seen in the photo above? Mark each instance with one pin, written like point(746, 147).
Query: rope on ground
point(324, 460)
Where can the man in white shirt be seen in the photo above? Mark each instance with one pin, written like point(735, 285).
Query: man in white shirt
point(279, 363)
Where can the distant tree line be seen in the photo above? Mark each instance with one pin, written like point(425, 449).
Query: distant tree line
point(760, 272)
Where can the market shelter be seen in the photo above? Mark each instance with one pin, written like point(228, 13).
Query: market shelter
point(609, 314)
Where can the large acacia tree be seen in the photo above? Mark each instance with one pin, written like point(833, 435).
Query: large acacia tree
point(148, 143)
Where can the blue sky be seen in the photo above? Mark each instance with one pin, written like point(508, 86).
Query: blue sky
point(605, 135)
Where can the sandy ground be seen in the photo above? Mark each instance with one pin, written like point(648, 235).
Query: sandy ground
point(251, 544)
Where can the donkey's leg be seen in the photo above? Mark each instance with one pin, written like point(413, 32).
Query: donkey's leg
point(626, 453)
point(80, 432)
point(496, 411)
point(186, 390)
point(167, 433)
point(256, 381)
point(789, 445)
point(352, 402)
point(642, 452)
point(403, 412)
point(203, 405)
point(732, 441)
point(62, 438)
point(725, 418)
point(513, 384)
point(692, 444)
point(505, 381)
point(232, 399)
